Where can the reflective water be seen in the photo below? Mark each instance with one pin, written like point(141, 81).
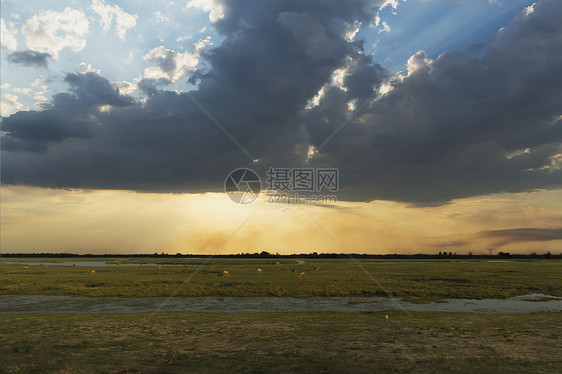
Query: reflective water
point(70, 304)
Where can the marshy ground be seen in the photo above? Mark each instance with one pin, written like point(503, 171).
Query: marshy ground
point(412, 281)
point(278, 342)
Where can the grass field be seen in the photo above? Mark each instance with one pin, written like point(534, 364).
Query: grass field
point(418, 281)
point(179, 342)
point(315, 342)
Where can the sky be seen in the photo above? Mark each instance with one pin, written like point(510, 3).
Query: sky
point(122, 120)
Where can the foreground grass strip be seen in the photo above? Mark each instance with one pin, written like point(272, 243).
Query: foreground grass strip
point(179, 342)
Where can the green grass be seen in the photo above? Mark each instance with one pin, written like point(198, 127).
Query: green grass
point(414, 282)
point(180, 342)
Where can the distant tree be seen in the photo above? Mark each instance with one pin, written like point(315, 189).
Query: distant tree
point(548, 255)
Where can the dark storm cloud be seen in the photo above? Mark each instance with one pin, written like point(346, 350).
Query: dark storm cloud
point(30, 58)
point(456, 126)
point(524, 234)
point(69, 117)
point(262, 76)
point(452, 127)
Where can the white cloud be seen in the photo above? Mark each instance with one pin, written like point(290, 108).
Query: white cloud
point(338, 76)
point(376, 20)
point(9, 87)
point(7, 36)
point(171, 65)
point(352, 31)
point(10, 104)
point(215, 9)
point(529, 10)
point(42, 82)
point(51, 32)
point(418, 61)
point(87, 68)
point(40, 97)
point(42, 101)
point(385, 27)
point(124, 87)
point(391, 3)
point(183, 38)
point(159, 17)
point(315, 101)
point(108, 14)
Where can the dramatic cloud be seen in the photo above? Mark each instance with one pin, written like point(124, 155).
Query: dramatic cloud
point(30, 58)
point(51, 32)
point(7, 36)
point(109, 15)
point(450, 127)
point(69, 118)
point(291, 84)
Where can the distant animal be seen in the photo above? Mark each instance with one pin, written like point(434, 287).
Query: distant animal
point(73, 264)
point(224, 274)
point(259, 271)
point(277, 263)
point(61, 265)
point(26, 267)
point(93, 271)
point(293, 271)
point(316, 268)
point(159, 267)
point(301, 274)
point(386, 316)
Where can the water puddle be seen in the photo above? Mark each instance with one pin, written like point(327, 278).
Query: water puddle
point(70, 304)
